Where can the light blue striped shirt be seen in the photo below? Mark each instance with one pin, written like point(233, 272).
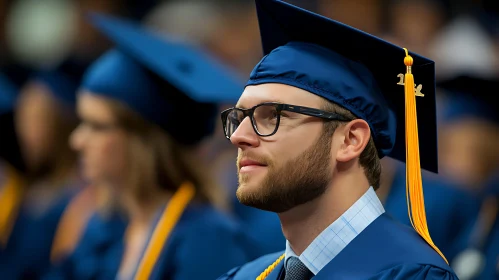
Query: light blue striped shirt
point(336, 237)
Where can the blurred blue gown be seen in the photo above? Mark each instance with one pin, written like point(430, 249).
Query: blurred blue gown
point(491, 269)
point(27, 252)
point(385, 250)
point(450, 211)
point(263, 227)
point(483, 238)
point(203, 245)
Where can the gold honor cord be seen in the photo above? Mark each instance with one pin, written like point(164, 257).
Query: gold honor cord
point(163, 229)
point(270, 268)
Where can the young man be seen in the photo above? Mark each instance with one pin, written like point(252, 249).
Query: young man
point(319, 111)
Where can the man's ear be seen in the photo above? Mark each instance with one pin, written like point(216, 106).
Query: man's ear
point(355, 135)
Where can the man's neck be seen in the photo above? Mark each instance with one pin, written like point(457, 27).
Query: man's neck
point(302, 224)
point(387, 177)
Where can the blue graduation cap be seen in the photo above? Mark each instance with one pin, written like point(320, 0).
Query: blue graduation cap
point(8, 94)
point(9, 148)
point(376, 80)
point(162, 80)
point(469, 96)
point(351, 68)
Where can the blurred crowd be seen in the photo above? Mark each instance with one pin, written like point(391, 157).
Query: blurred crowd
point(51, 185)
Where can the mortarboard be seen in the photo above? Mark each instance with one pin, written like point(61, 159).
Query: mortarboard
point(164, 81)
point(363, 74)
point(9, 149)
point(469, 96)
point(8, 94)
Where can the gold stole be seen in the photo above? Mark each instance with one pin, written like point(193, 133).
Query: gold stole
point(73, 223)
point(11, 194)
point(163, 229)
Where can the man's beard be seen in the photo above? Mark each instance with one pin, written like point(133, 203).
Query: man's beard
point(296, 182)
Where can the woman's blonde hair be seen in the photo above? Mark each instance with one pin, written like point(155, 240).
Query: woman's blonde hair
point(156, 159)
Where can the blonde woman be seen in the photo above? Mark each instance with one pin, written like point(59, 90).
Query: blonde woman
point(145, 107)
point(32, 204)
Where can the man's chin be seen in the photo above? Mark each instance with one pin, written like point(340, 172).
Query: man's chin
point(256, 199)
point(245, 190)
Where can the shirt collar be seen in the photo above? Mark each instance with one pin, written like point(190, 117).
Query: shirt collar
point(330, 242)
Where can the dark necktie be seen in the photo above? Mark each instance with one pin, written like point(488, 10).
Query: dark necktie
point(296, 270)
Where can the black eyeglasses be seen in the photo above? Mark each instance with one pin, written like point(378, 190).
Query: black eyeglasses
point(266, 117)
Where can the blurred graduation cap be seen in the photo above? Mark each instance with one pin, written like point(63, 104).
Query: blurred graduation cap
point(9, 148)
point(8, 94)
point(171, 84)
point(470, 96)
point(363, 74)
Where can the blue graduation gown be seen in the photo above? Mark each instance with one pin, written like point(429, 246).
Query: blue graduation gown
point(27, 253)
point(482, 239)
point(450, 211)
point(203, 245)
point(384, 250)
point(491, 269)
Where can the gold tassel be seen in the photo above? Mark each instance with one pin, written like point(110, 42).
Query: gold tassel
point(414, 183)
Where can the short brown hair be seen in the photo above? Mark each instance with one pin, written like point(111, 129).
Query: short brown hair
point(369, 159)
point(158, 160)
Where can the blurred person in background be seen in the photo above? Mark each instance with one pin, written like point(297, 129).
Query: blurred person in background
point(44, 119)
point(11, 164)
point(469, 130)
point(366, 15)
point(467, 72)
point(450, 209)
point(416, 29)
point(480, 260)
point(228, 30)
point(145, 106)
point(53, 39)
point(469, 137)
point(464, 46)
